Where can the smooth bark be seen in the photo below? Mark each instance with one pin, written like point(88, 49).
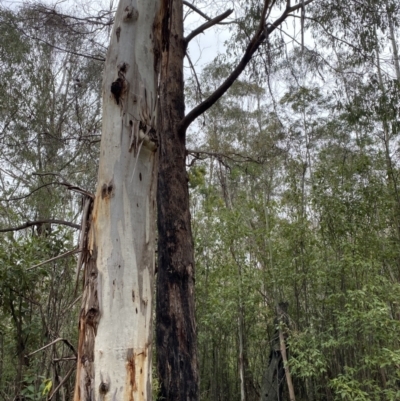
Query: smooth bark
point(115, 326)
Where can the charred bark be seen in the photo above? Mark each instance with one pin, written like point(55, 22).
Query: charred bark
point(274, 376)
point(175, 326)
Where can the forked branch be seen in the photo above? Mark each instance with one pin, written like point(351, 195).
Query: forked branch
point(262, 33)
point(207, 25)
point(198, 11)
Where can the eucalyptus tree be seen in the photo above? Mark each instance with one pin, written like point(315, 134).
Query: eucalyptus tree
point(119, 245)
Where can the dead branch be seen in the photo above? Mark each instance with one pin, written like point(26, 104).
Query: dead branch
point(219, 156)
point(69, 345)
point(63, 255)
point(75, 188)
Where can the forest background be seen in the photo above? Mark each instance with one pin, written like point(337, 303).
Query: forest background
point(294, 183)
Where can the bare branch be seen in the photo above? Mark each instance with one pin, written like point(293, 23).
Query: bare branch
point(59, 48)
point(252, 47)
point(30, 193)
point(207, 25)
point(69, 345)
point(63, 255)
point(66, 377)
point(39, 222)
point(70, 186)
point(205, 16)
point(239, 158)
point(75, 188)
point(67, 358)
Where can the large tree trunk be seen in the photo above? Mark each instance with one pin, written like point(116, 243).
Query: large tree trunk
point(176, 329)
point(115, 327)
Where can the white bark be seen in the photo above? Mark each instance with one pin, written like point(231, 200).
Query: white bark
point(118, 289)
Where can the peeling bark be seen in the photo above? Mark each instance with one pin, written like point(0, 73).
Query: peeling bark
point(115, 326)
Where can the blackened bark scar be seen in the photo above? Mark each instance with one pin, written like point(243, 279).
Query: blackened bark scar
point(117, 88)
point(118, 33)
point(107, 190)
point(122, 69)
point(103, 388)
point(131, 14)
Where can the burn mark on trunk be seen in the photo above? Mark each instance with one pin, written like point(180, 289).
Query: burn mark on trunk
point(122, 69)
point(117, 88)
point(103, 388)
point(107, 190)
point(131, 369)
point(131, 14)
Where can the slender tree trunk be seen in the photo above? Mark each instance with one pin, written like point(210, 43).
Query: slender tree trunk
point(285, 363)
point(241, 357)
point(395, 49)
point(115, 326)
point(176, 329)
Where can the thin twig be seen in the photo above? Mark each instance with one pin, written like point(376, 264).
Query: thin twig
point(195, 75)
